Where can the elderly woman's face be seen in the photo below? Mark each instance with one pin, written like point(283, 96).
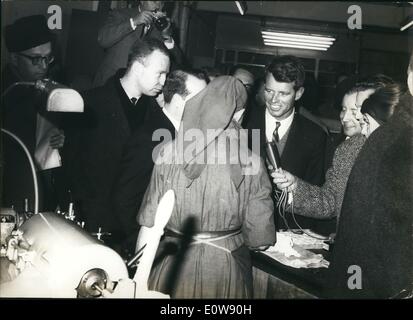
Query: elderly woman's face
point(351, 116)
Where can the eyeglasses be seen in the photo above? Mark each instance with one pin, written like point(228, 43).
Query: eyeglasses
point(38, 60)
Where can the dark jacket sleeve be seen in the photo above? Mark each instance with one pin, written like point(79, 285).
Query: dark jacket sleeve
point(134, 177)
point(116, 27)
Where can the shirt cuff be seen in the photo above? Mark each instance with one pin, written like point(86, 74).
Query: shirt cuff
point(132, 24)
point(170, 43)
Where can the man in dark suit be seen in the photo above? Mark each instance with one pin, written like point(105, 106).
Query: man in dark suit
point(112, 113)
point(141, 152)
point(300, 142)
point(373, 251)
point(121, 30)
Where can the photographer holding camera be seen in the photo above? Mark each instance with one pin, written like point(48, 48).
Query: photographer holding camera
point(144, 19)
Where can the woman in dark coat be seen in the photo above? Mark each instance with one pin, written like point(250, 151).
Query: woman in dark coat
point(375, 234)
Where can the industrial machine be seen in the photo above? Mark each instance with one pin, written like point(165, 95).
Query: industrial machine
point(49, 255)
point(54, 257)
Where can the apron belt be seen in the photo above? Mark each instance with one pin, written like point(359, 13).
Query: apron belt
point(207, 237)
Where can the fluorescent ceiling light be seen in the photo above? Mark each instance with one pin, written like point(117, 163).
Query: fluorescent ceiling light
point(298, 46)
point(297, 35)
point(297, 40)
point(298, 43)
point(326, 42)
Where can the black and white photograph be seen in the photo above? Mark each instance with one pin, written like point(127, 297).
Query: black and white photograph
point(210, 153)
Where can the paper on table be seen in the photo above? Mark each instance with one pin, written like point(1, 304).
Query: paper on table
point(284, 245)
point(45, 156)
point(305, 241)
point(290, 254)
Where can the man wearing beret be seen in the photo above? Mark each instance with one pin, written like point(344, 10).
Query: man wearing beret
point(29, 43)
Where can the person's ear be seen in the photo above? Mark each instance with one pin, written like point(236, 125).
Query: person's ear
point(137, 67)
point(299, 93)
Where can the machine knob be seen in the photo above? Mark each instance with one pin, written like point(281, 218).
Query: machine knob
point(92, 284)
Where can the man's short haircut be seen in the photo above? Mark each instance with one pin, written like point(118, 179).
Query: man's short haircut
point(287, 69)
point(143, 48)
point(176, 84)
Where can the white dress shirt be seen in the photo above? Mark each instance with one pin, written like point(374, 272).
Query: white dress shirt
point(175, 123)
point(270, 123)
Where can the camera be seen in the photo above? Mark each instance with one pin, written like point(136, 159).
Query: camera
point(161, 23)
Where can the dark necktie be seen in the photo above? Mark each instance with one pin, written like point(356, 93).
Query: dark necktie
point(275, 135)
point(134, 101)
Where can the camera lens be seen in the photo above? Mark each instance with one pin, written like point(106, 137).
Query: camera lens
point(161, 23)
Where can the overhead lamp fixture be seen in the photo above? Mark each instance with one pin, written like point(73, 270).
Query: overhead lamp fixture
point(297, 40)
point(242, 7)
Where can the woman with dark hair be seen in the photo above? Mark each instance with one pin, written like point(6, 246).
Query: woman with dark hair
point(375, 231)
point(365, 106)
point(379, 107)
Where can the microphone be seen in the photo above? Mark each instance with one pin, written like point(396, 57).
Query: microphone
point(273, 157)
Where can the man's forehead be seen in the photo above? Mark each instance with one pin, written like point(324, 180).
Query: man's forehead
point(42, 49)
point(156, 58)
point(157, 54)
point(271, 82)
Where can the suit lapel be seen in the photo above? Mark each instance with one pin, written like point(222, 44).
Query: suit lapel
point(291, 145)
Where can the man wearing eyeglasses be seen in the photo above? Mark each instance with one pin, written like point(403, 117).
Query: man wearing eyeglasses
point(29, 44)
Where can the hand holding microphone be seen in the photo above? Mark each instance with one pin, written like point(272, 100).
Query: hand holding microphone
point(284, 180)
